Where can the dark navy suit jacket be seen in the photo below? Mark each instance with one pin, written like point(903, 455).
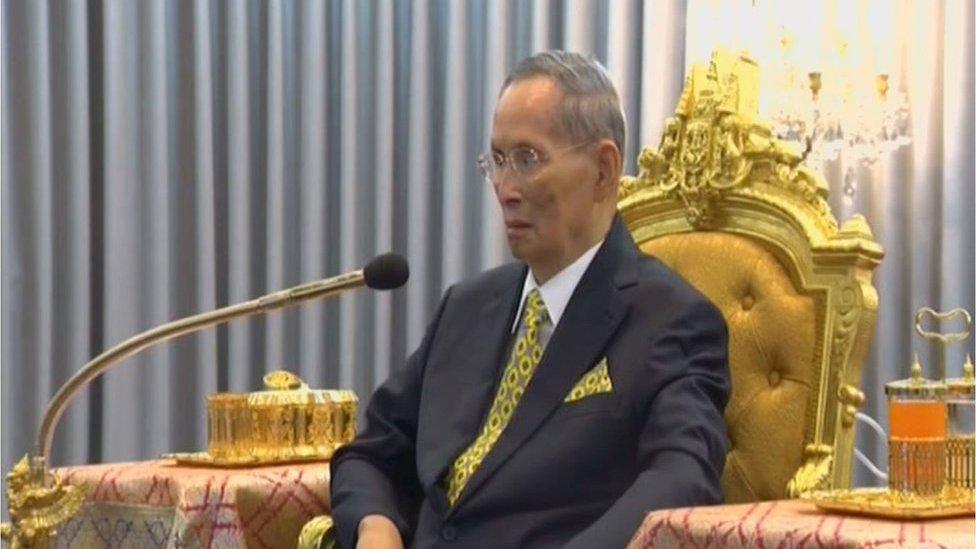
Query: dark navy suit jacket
point(580, 474)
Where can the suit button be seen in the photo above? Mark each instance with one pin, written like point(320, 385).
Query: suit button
point(449, 533)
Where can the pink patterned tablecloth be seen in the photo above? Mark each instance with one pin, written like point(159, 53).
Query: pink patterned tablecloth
point(793, 524)
point(157, 504)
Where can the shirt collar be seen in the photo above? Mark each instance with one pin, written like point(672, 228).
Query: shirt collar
point(558, 289)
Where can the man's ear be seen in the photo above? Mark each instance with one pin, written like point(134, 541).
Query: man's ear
point(608, 168)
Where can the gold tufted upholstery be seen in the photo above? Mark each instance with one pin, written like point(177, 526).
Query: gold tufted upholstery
point(730, 208)
point(771, 342)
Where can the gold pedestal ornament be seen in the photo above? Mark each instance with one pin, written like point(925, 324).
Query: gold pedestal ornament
point(37, 506)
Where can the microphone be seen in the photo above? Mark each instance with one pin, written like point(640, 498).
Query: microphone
point(384, 272)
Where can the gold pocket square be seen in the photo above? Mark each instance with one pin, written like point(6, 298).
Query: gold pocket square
point(596, 381)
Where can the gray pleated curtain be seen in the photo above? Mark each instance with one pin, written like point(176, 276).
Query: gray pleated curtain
point(162, 158)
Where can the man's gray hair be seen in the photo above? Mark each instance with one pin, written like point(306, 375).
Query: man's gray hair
point(591, 107)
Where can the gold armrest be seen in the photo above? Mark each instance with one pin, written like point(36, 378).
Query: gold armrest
point(318, 533)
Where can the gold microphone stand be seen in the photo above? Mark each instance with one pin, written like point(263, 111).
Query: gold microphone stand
point(37, 501)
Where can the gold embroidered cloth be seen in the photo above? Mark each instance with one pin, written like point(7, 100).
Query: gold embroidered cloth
point(157, 504)
point(793, 523)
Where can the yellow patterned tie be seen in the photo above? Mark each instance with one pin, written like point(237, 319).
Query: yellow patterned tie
point(525, 358)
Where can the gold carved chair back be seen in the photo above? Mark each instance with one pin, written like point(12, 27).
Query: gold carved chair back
point(732, 209)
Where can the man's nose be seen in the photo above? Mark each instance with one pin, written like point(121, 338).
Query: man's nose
point(507, 187)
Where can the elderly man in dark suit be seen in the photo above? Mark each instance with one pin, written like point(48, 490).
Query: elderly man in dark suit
point(557, 399)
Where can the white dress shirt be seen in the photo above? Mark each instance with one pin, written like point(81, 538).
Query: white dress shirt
point(558, 289)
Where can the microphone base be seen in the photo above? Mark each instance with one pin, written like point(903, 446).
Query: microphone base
point(37, 505)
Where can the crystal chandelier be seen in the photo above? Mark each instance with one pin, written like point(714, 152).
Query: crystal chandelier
point(835, 111)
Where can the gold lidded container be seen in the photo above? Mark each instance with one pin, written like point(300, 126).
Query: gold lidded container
point(917, 420)
point(289, 421)
point(961, 433)
point(286, 422)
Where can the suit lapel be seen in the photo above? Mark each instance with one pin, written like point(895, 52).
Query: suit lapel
point(592, 316)
point(464, 387)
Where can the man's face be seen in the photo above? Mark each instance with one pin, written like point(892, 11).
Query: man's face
point(548, 214)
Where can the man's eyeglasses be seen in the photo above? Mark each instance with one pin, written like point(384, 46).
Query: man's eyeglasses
point(525, 162)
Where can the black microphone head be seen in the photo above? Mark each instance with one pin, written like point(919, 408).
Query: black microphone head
point(386, 271)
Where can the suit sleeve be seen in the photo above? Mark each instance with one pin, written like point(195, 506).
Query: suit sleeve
point(683, 441)
point(377, 472)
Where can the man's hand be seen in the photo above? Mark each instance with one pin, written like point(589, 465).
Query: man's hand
point(378, 532)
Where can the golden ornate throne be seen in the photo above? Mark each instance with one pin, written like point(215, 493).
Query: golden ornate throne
point(730, 207)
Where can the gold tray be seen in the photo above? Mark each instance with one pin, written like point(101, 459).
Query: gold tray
point(204, 459)
point(880, 502)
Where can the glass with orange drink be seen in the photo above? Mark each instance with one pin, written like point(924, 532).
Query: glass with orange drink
point(917, 420)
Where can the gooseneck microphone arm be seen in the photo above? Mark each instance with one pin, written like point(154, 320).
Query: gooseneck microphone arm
point(176, 328)
point(385, 272)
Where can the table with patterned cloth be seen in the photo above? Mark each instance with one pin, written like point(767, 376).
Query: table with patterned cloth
point(158, 504)
point(793, 524)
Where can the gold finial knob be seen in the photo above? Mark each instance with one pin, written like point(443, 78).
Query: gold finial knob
point(280, 380)
point(967, 368)
point(916, 369)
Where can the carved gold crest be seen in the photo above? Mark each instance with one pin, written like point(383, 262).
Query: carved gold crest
point(716, 143)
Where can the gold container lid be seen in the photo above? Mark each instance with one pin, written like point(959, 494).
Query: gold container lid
point(965, 385)
point(915, 386)
point(285, 388)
